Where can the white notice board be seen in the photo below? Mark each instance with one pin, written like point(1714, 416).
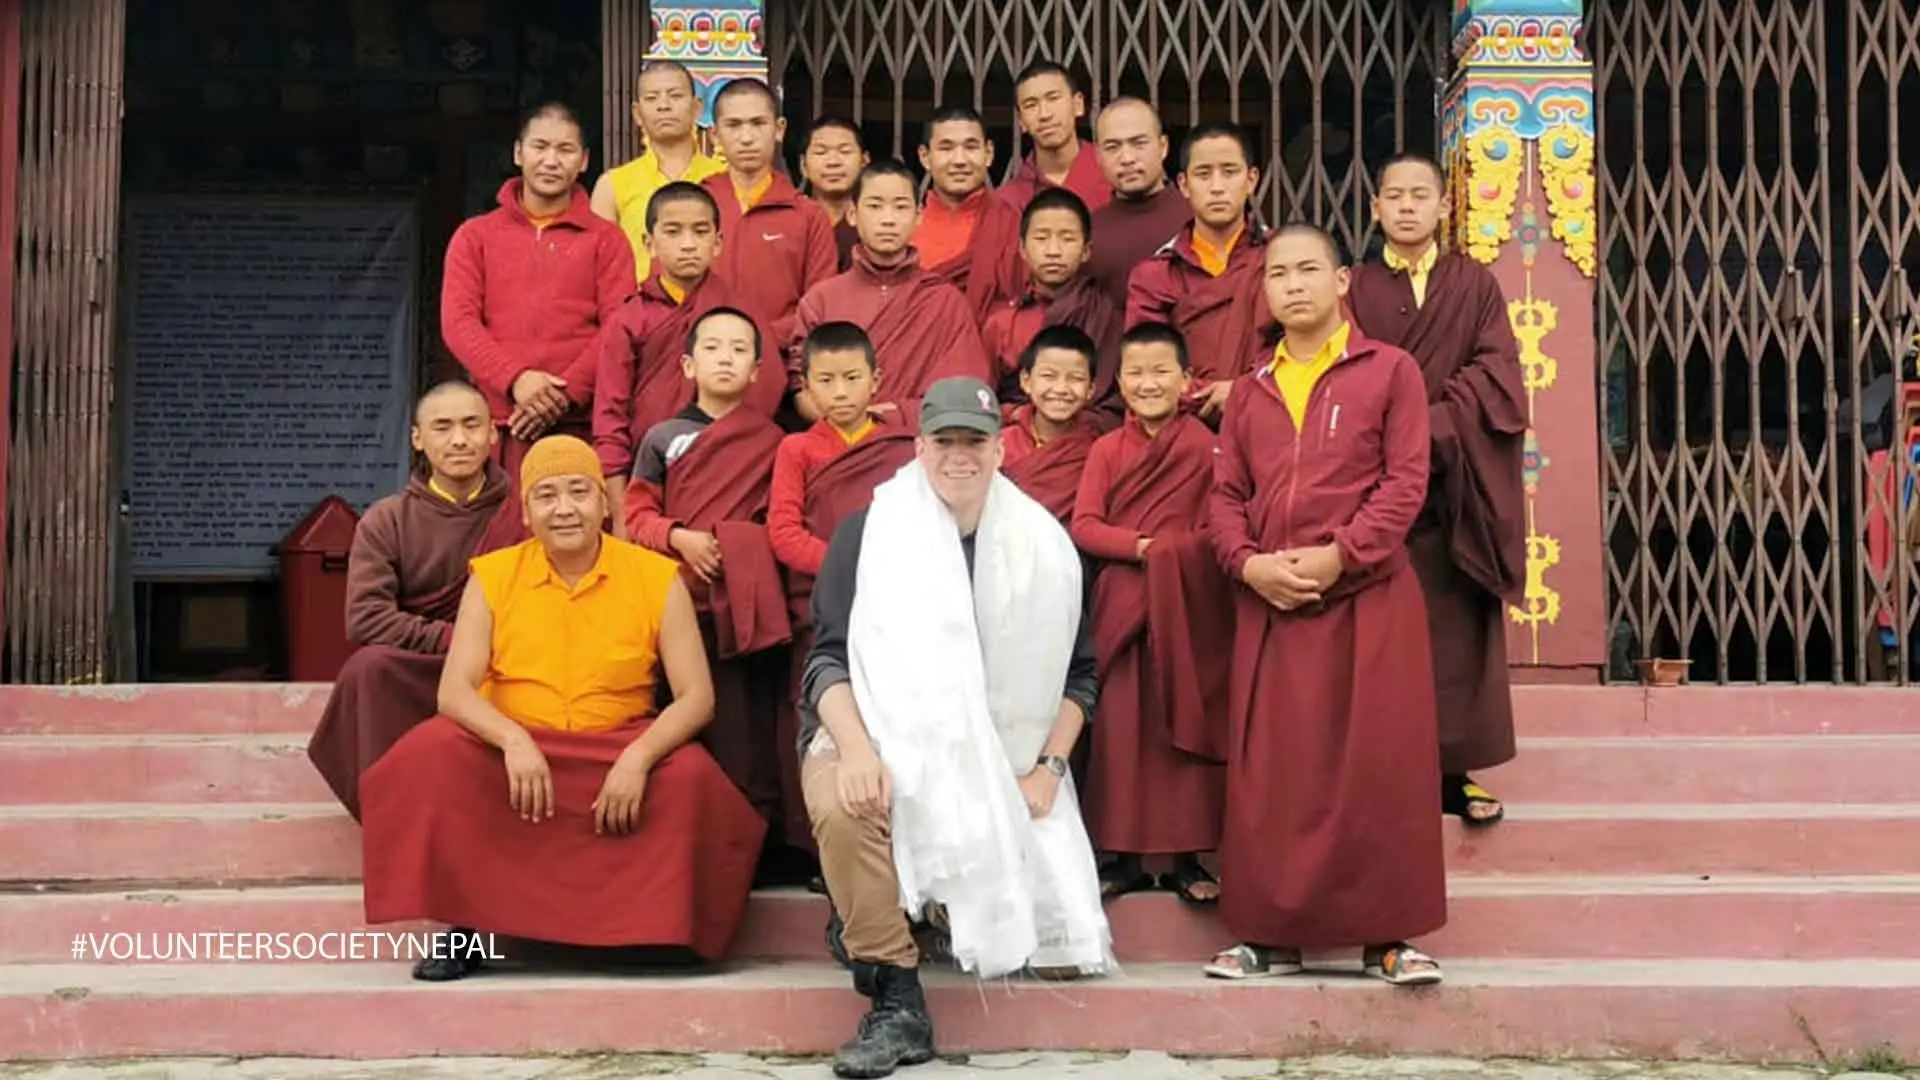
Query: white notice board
point(271, 345)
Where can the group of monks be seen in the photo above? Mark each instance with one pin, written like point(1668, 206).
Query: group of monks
point(1295, 485)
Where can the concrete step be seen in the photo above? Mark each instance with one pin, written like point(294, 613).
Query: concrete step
point(45, 769)
point(1540, 711)
point(259, 843)
point(1746, 1010)
point(1518, 917)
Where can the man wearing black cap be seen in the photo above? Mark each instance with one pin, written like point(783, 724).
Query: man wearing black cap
point(949, 679)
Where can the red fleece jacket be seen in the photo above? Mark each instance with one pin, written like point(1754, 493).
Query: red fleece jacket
point(516, 297)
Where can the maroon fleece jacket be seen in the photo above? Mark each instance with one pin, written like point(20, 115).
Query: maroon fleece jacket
point(517, 297)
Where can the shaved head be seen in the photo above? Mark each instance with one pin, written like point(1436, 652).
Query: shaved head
point(1127, 109)
point(1300, 230)
point(449, 392)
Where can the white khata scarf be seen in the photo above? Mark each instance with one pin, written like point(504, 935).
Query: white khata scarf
point(959, 682)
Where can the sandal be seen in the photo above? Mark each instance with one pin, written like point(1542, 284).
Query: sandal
point(1470, 802)
point(1402, 965)
point(1186, 876)
point(1122, 876)
point(1254, 962)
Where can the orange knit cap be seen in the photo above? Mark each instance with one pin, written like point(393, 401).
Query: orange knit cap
point(557, 455)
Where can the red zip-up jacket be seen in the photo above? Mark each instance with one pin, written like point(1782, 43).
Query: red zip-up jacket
point(515, 297)
point(774, 252)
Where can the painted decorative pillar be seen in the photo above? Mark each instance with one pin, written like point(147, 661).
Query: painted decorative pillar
point(1518, 136)
point(717, 40)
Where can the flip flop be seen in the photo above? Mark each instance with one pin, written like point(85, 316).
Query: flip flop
point(1252, 962)
point(1114, 882)
point(1460, 796)
point(1403, 965)
point(1183, 878)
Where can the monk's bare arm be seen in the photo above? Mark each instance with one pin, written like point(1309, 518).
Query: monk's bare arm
point(1379, 528)
point(467, 658)
point(374, 615)
point(1230, 533)
point(602, 202)
point(685, 659)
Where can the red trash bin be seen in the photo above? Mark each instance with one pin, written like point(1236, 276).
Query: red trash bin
point(313, 590)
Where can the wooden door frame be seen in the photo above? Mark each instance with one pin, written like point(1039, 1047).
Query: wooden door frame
point(9, 238)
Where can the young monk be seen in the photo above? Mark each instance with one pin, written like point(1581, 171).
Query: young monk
point(641, 378)
point(1162, 627)
point(961, 211)
point(528, 286)
point(666, 109)
point(820, 476)
point(553, 799)
point(783, 243)
point(1332, 759)
point(1055, 242)
point(1146, 211)
point(699, 493)
point(830, 163)
point(405, 571)
point(920, 327)
point(1469, 543)
point(1205, 281)
point(1048, 439)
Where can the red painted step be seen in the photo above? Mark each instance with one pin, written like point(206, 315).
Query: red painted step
point(36, 769)
point(1540, 711)
point(1655, 917)
point(259, 843)
point(1743, 1010)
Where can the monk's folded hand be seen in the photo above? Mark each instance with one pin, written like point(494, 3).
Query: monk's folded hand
point(543, 395)
point(529, 781)
point(1140, 547)
point(1038, 789)
point(700, 550)
point(616, 810)
point(1271, 576)
point(1320, 565)
point(1216, 397)
point(866, 790)
point(526, 424)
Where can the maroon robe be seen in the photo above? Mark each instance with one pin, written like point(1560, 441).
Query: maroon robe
point(1050, 473)
point(988, 270)
point(440, 846)
point(772, 252)
point(406, 573)
point(1469, 543)
point(719, 485)
point(641, 379)
point(1223, 318)
point(1333, 765)
point(1127, 232)
point(1163, 631)
point(921, 327)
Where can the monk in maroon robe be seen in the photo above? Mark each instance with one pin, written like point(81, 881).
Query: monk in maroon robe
point(921, 328)
point(405, 572)
point(641, 379)
point(1162, 616)
point(1469, 543)
point(965, 232)
point(1333, 766)
point(830, 163)
point(1047, 440)
point(1205, 282)
point(1146, 212)
point(820, 476)
point(699, 494)
point(519, 810)
point(1055, 242)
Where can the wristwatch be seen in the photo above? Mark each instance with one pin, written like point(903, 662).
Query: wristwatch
point(1054, 764)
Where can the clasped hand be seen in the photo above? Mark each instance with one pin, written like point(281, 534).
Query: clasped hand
point(1294, 577)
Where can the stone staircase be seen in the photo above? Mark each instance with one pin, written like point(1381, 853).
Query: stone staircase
point(1691, 873)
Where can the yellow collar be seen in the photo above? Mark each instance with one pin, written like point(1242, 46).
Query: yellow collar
point(1333, 349)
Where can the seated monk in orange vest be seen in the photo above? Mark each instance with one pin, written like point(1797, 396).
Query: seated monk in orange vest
point(550, 765)
point(405, 572)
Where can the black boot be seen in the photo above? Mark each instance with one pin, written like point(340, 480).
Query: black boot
point(895, 1032)
point(450, 958)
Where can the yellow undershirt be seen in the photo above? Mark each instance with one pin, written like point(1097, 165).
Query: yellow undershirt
point(750, 197)
point(433, 485)
point(1214, 260)
point(1296, 379)
point(674, 292)
point(1417, 270)
point(858, 433)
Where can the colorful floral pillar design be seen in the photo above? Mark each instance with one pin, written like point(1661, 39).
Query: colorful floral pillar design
point(1518, 138)
point(717, 40)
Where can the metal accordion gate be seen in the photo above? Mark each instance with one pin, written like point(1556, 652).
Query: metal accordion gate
point(60, 490)
point(1326, 89)
point(1759, 227)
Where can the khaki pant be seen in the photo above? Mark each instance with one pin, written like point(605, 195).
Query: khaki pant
point(856, 859)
